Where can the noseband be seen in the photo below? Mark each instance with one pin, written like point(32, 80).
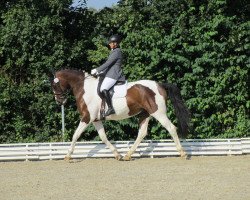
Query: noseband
point(61, 95)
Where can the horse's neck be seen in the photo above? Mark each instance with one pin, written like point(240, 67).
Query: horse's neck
point(90, 84)
point(75, 83)
point(87, 86)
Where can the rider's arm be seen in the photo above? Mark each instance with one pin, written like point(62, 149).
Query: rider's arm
point(109, 63)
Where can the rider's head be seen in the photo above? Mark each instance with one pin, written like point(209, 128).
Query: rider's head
point(114, 41)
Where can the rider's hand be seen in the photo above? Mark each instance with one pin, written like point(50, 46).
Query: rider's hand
point(93, 71)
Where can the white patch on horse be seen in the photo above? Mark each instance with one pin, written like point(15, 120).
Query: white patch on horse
point(121, 109)
point(91, 98)
point(120, 91)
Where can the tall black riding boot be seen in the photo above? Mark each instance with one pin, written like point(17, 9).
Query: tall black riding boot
point(107, 97)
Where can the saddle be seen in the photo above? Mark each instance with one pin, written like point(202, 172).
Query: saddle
point(113, 92)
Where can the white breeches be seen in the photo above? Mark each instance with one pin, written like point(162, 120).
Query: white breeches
point(107, 83)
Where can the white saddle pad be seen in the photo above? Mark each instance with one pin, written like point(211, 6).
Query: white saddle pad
point(120, 91)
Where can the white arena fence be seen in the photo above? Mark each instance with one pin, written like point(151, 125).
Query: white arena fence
point(150, 148)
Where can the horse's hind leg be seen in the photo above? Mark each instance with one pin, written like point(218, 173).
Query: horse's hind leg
point(99, 127)
point(163, 119)
point(142, 133)
point(81, 127)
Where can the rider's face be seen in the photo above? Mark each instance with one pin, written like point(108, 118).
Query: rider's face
point(113, 45)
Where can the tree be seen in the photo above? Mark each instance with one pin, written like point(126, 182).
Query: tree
point(202, 46)
point(36, 37)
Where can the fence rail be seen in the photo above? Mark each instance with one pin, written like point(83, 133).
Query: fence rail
point(150, 148)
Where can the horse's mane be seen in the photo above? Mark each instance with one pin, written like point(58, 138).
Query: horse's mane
point(76, 71)
point(72, 70)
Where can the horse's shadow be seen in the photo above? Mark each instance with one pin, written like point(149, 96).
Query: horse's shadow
point(91, 153)
point(142, 153)
point(152, 146)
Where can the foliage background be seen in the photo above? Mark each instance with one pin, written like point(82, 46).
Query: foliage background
point(202, 46)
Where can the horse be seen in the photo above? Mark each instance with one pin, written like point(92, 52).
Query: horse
point(144, 98)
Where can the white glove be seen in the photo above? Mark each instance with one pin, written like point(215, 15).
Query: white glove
point(93, 71)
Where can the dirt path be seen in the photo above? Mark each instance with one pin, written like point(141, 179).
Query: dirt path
point(143, 179)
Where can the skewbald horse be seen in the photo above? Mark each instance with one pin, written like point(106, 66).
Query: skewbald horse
point(144, 98)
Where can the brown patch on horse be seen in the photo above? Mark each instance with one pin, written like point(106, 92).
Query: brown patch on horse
point(78, 91)
point(141, 98)
point(82, 107)
point(76, 80)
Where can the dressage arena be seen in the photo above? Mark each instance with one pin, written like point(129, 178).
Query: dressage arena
point(202, 177)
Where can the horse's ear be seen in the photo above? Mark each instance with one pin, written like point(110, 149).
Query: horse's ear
point(51, 78)
point(52, 71)
point(51, 75)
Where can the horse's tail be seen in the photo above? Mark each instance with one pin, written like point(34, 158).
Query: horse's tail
point(181, 111)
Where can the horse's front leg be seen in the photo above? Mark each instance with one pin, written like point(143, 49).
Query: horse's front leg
point(99, 127)
point(81, 127)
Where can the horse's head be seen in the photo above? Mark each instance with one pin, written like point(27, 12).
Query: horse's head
point(60, 87)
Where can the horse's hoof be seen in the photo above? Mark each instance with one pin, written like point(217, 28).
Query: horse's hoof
point(67, 158)
point(126, 158)
point(185, 156)
point(118, 157)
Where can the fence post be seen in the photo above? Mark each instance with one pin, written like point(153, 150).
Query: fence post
point(230, 147)
point(27, 152)
point(151, 149)
point(50, 150)
point(63, 122)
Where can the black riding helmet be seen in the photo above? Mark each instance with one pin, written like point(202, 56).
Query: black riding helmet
point(115, 38)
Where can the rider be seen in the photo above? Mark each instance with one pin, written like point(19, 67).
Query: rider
point(112, 71)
